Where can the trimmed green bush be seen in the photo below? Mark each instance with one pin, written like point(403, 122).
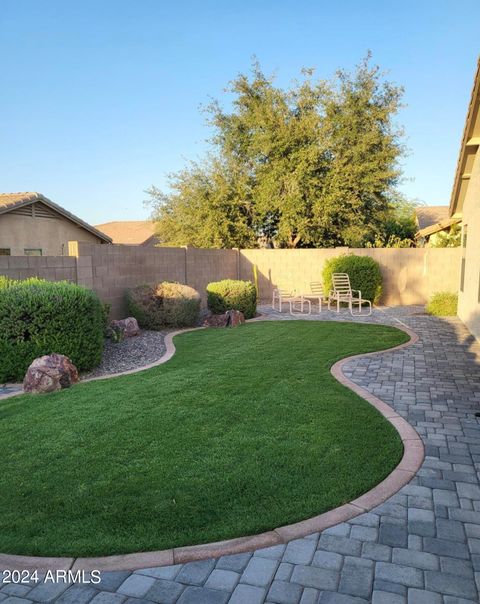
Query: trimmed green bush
point(40, 317)
point(164, 305)
point(442, 304)
point(5, 282)
point(231, 294)
point(364, 273)
point(8, 282)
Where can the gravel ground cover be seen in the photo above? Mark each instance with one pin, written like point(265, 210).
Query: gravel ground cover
point(132, 353)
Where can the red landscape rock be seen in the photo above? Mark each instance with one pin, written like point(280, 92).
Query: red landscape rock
point(231, 318)
point(234, 318)
point(50, 373)
point(129, 326)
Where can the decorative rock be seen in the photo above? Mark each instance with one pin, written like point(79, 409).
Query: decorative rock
point(231, 318)
point(50, 373)
point(129, 326)
point(216, 321)
point(235, 318)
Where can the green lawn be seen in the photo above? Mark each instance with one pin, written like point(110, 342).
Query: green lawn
point(242, 431)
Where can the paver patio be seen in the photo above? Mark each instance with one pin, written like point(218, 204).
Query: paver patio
point(421, 546)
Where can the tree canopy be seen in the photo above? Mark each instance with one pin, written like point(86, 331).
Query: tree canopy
point(314, 165)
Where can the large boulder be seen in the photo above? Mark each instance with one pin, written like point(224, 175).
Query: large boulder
point(128, 326)
point(50, 373)
point(231, 318)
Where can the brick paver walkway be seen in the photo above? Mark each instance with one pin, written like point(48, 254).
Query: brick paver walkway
point(422, 546)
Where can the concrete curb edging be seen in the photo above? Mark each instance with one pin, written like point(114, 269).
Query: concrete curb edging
point(410, 463)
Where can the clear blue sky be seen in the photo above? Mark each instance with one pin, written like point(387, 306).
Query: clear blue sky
point(100, 99)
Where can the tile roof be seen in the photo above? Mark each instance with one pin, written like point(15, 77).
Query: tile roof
point(430, 215)
point(130, 232)
point(11, 201)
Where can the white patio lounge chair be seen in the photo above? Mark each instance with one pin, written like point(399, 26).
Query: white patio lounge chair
point(316, 293)
point(342, 292)
point(295, 302)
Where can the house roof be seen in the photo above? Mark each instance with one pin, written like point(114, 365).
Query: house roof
point(430, 215)
point(13, 201)
point(435, 228)
point(468, 148)
point(129, 232)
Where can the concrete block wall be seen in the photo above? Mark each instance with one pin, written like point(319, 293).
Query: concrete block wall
point(410, 275)
point(52, 268)
point(204, 266)
point(292, 270)
point(112, 269)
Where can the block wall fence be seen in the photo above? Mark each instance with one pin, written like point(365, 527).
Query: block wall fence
point(410, 276)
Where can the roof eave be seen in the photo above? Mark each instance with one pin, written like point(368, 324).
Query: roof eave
point(59, 210)
point(454, 209)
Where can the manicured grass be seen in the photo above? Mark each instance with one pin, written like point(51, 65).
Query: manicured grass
point(242, 431)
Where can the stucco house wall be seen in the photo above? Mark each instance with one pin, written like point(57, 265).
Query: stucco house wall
point(33, 225)
point(469, 294)
point(465, 204)
point(51, 235)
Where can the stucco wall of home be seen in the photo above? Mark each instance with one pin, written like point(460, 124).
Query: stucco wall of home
point(51, 235)
point(410, 276)
point(469, 298)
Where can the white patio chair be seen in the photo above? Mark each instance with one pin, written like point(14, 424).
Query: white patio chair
point(342, 292)
point(296, 302)
point(316, 293)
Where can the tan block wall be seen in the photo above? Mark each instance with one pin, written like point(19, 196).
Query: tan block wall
point(286, 269)
point(410, 276)
point(112, 269)
point(469, 299)
point(52, 268)
point(204, 266)
point(51, 235)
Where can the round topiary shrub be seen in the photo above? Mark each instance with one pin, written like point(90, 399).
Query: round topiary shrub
point(164, 305)
point(364, 273)
point(443, 304)
point(231, 294)
point(38, 318)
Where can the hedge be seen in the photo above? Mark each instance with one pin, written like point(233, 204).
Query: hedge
point(40, 317)
point(164, 305)
point(442, 304)
point(364, 273)
point(231, 294)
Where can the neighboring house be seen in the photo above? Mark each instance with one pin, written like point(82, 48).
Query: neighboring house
point(130, 232)
point(465, 204)
point(432, 220)
point(32, 225)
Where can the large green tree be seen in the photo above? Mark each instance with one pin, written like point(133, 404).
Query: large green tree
point(313, 165)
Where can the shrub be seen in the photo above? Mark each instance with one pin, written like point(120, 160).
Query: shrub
point(231, 294)
point(106, 308)
point(442, 304)
point(5, 282)
point(364, 273)
point(8, 282)
point(164, 305)
point(40, 317)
